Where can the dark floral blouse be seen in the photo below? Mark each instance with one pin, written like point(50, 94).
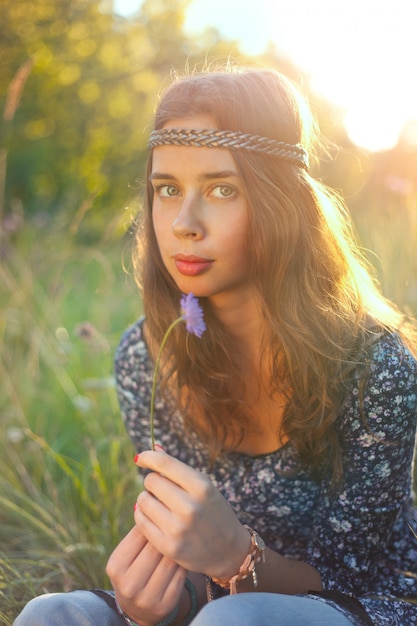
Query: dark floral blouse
point(359, 539)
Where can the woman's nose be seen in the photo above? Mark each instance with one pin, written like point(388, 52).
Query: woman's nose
point(188, 221)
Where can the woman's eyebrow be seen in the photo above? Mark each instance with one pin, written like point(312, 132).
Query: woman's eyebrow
point(220, 174)
point(159, 175)
point(206, 175)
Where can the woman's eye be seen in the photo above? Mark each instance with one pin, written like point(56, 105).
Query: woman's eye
point(166, 191)
point(223, 191)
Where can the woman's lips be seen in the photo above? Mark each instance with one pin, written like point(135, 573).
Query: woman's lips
point(190, 265)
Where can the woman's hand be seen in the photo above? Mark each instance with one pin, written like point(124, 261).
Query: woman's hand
point(148, 585)
point(186, 518)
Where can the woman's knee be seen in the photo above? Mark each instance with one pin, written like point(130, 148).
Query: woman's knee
point(76, 608)
point(35, 609)
point(269, 609)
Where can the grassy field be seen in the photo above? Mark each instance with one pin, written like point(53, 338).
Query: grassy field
point(67, 479)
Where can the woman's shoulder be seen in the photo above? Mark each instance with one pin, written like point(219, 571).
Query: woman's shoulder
point(132, 351)
point(389, 352)
point(384, 390)
point(132, 335)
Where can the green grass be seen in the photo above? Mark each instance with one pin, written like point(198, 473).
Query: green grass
point(67, 478)
point(388, 232)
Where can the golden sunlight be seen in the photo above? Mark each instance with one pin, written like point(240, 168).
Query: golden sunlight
point(359, 54)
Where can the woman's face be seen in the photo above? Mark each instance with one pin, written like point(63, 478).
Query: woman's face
point(200, 216)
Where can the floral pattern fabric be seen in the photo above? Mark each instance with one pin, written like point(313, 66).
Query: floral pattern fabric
point(359, 539)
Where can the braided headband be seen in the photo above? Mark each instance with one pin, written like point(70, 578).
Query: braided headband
point(230, 139)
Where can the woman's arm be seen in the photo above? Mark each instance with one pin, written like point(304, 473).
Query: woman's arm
point(352, 527)
point(279, 574)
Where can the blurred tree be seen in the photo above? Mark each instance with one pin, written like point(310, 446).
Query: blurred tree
point(79, 133)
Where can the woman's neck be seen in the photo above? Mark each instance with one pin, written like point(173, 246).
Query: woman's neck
point(243, 319)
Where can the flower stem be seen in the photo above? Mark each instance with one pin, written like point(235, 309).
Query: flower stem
point(155, 376)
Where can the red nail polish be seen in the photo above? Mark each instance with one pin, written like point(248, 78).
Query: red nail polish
point(136, 458)
point(159, 447)
point(135, 506)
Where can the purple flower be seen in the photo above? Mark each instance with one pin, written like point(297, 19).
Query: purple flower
point(192, 314)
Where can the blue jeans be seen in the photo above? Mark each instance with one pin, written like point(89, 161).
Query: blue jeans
point(82, 608)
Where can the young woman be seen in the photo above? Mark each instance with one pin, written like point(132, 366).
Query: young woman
point(282, 494)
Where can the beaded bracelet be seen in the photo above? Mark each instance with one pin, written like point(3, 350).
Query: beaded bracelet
point(194, 603)
point(169, 619)
point(255, 554)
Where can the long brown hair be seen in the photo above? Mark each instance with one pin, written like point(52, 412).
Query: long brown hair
point(319, 299)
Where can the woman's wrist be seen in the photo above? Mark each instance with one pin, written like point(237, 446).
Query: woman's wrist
point(187, 615)
point(238, 545)
point(247, 568)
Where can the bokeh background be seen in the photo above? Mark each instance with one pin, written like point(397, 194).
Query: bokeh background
point(78, 82)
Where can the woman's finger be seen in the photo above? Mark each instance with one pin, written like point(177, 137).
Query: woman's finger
point(178, 472)
point(127, 550)
point(174, 497)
